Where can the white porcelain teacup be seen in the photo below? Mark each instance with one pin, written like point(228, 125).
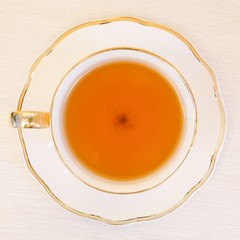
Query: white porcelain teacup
point(54, 119)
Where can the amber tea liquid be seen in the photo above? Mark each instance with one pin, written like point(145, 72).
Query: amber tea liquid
point(123, 120)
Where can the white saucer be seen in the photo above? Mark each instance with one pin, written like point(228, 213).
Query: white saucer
point(43, 160)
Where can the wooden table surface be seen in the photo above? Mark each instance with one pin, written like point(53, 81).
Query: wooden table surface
point(28, 28)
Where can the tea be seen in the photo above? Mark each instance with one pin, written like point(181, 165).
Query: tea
point(123, 120)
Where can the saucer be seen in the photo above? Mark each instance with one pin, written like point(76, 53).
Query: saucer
point(42, 157)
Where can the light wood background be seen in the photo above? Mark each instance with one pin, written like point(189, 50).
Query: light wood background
point(28, 27)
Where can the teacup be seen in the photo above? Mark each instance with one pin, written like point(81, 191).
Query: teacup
point(56, 120)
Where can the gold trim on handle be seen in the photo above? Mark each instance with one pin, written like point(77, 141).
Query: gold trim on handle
point(213, 157)
point(30, 119)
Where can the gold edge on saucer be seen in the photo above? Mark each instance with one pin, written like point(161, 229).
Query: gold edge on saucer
point(213, 158)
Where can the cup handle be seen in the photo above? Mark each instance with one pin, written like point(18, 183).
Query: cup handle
point(30, 119)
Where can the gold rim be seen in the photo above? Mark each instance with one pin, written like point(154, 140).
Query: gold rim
point(213, 158)
point(154, 55)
